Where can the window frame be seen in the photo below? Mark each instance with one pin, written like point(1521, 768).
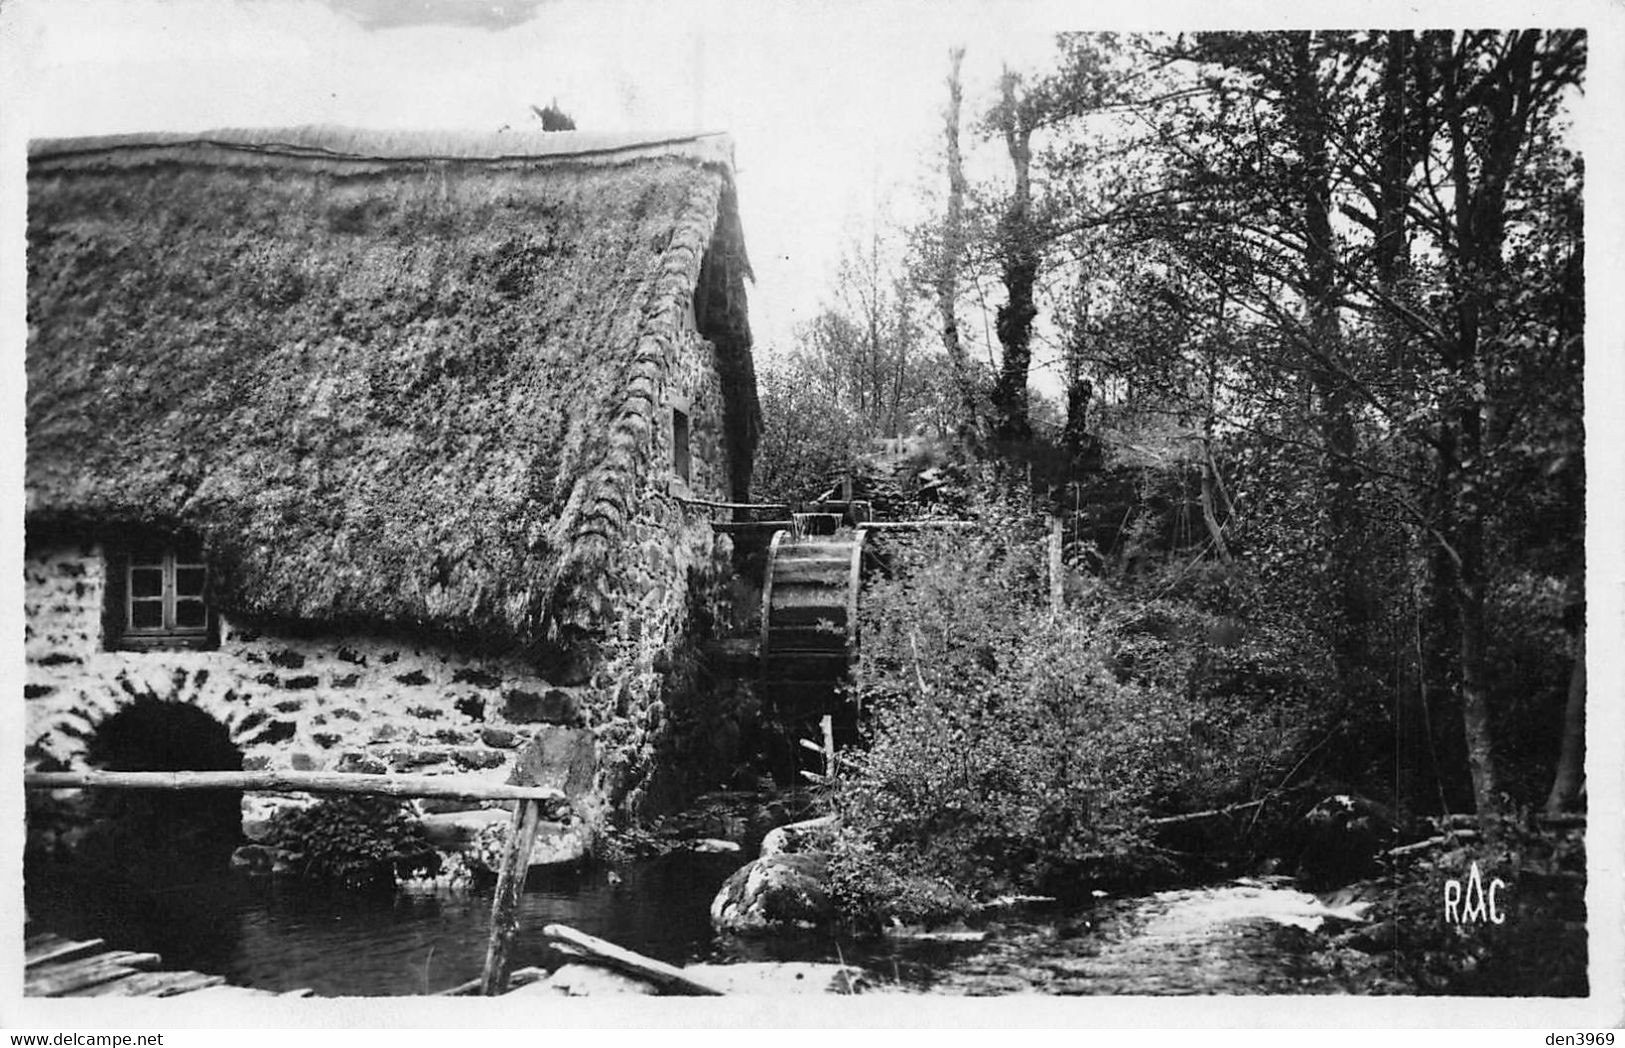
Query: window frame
point(169, 559)
point(682, 453)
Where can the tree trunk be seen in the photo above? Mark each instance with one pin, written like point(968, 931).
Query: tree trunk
point(1075, 434)
point(953, 248)
point(1475, 705)
point(1571, 759)
point(1019, 248)
point(1415, 771)
point(1209, 518)
point(1342, 519)
point(1392, 247)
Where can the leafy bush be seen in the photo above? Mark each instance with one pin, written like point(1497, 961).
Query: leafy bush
point(353, 842)
point(1012, 749)
point(870, 888)
point(1530, 657)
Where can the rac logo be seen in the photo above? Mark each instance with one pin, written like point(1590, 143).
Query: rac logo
point(1471, 902)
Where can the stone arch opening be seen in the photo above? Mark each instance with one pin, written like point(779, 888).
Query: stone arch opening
point(155, 834)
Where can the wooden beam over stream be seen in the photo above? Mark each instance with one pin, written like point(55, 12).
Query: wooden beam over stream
point(446, 786)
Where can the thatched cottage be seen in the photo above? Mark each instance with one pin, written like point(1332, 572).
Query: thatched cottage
point(386, 451)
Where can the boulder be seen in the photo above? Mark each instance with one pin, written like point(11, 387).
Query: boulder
point(808, 835)
point(563, 758)
point(1341, 839)
point(561, 844)
point(776, 893)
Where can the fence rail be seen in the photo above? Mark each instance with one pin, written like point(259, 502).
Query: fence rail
point(441, 786)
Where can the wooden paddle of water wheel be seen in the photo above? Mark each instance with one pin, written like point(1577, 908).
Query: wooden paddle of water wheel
point(810, 622)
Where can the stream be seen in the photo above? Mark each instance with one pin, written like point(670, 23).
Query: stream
point(1244, 937)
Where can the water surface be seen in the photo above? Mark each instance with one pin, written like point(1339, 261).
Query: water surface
point(1238, 938)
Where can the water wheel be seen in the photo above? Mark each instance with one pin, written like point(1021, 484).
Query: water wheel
point(810, 621)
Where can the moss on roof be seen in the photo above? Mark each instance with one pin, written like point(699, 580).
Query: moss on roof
point(383, 386)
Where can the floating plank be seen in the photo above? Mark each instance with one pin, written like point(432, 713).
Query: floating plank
point(43, 949)
point(74, 982)
point(446, 786)
point(58, 980)
point(155, 984)
point(580, 944)
point(59, 967)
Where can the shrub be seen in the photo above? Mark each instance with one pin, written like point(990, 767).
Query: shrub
point(869, 889)
point(1010, 749)
point(353, 842)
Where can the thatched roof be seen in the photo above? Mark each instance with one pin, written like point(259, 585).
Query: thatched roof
point(387, 377)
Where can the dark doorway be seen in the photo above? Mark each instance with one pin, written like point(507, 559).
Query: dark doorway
point(157, 836)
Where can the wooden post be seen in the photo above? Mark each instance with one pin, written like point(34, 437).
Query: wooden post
point(827, 723)
point(528, 768)
point(1057, 584)
point(505, 906)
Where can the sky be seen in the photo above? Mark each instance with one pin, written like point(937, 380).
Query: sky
point(834, 108)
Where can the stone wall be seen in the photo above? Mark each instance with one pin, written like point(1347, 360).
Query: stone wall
point(674, 733)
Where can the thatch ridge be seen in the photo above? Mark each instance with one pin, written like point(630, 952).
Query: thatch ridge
point(396, 393)
point(361, 144)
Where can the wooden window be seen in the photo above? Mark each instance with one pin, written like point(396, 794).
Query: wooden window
point(680, 461)
point(159, 598)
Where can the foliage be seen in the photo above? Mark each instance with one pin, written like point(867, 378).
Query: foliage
point(868, 888)
point(1530, 658)
point(1014, 750)
point(1353, 263)
point(1322, 295)
point(805, 441)
point(858, 370)
point(353, 842)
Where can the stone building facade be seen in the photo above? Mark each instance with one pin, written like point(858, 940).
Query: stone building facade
point(398, 472)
